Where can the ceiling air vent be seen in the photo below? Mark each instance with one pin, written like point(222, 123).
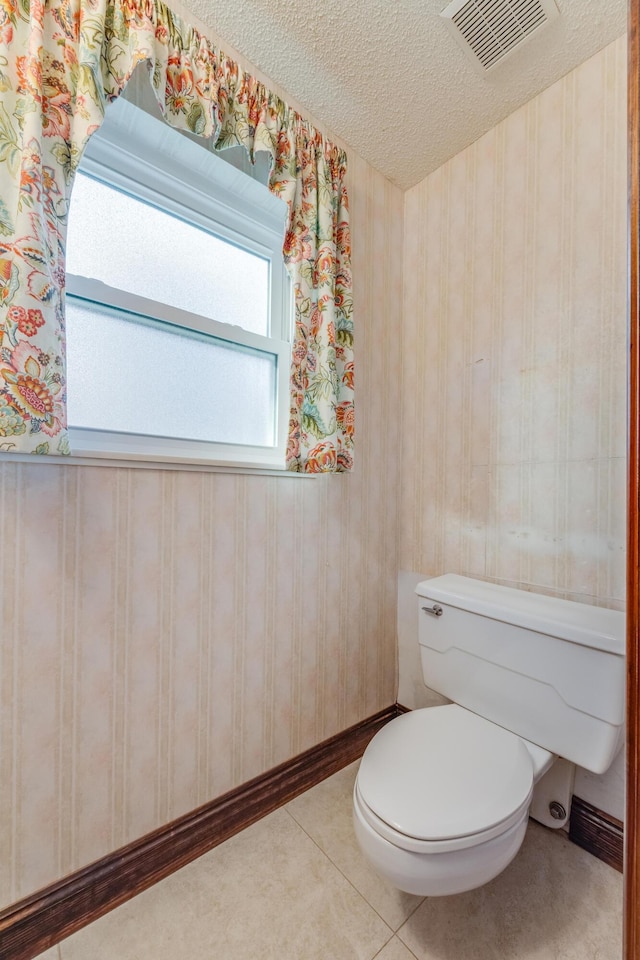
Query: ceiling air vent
point(490, 30)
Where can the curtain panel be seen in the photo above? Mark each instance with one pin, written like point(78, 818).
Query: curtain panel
point(61, 64)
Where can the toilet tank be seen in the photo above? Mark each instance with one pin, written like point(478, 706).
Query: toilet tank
point(551, 671)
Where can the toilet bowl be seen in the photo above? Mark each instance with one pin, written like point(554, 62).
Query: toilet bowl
point(442, 797)
point(443, 794)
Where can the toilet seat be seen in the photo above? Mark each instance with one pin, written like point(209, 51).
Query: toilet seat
point(443, 778)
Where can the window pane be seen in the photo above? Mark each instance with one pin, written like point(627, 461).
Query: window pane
point(131, 377)
point(133, 246)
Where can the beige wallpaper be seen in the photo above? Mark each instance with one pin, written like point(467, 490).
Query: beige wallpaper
point(167, 635)
point(514, 411)
point(513, 404)
point(194, 629)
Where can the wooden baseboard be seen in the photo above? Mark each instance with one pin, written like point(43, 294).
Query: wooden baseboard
point(31, 926)
point(596, 831)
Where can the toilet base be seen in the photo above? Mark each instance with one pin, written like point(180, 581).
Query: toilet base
point(438, 874)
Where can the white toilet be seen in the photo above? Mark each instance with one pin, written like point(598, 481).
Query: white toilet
point(443, 794)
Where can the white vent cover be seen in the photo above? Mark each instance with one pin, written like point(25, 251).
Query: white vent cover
point(490, 30)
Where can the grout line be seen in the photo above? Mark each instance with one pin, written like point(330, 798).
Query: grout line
point(348, 879)
point(383, 947)
point(394, 937)
point(419, 904)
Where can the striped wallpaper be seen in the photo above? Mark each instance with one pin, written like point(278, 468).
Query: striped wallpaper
point(514, 399)
point(514, 325)
point(194, 629)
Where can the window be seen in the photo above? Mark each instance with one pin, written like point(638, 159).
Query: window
point(178, 302)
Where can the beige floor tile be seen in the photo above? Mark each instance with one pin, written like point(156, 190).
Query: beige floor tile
point(325, 814)
point(268, 892)
point(395, 950)
point(554, 902)
point(51, 954)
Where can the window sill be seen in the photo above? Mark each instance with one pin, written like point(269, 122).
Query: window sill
point(179, 465)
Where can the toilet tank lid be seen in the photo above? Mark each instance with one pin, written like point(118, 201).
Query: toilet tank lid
point(581, 623)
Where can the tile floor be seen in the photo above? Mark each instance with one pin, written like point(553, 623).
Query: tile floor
point(295, 887)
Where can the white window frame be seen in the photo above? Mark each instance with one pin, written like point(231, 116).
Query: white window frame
point(143, 157)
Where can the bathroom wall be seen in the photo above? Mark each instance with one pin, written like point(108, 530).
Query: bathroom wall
point(167, 635)
point(514, 365)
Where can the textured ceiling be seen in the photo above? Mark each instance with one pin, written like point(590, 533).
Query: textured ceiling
point(387, 77)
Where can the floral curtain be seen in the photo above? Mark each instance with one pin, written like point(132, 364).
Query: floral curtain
point(61, 64)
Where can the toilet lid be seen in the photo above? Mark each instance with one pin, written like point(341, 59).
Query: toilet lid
point(443, 772)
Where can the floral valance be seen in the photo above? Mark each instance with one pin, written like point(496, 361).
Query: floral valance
point(61, 64)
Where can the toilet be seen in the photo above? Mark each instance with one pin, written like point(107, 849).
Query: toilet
point(443, 794)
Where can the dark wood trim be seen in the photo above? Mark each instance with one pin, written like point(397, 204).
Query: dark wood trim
point(632, 817)
point(31, 926)
point(597, 831)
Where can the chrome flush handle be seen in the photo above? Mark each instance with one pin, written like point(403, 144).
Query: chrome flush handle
point(435, 610)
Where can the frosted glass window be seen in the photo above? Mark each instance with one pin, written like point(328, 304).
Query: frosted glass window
point(131, 245)
point(129, 376)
